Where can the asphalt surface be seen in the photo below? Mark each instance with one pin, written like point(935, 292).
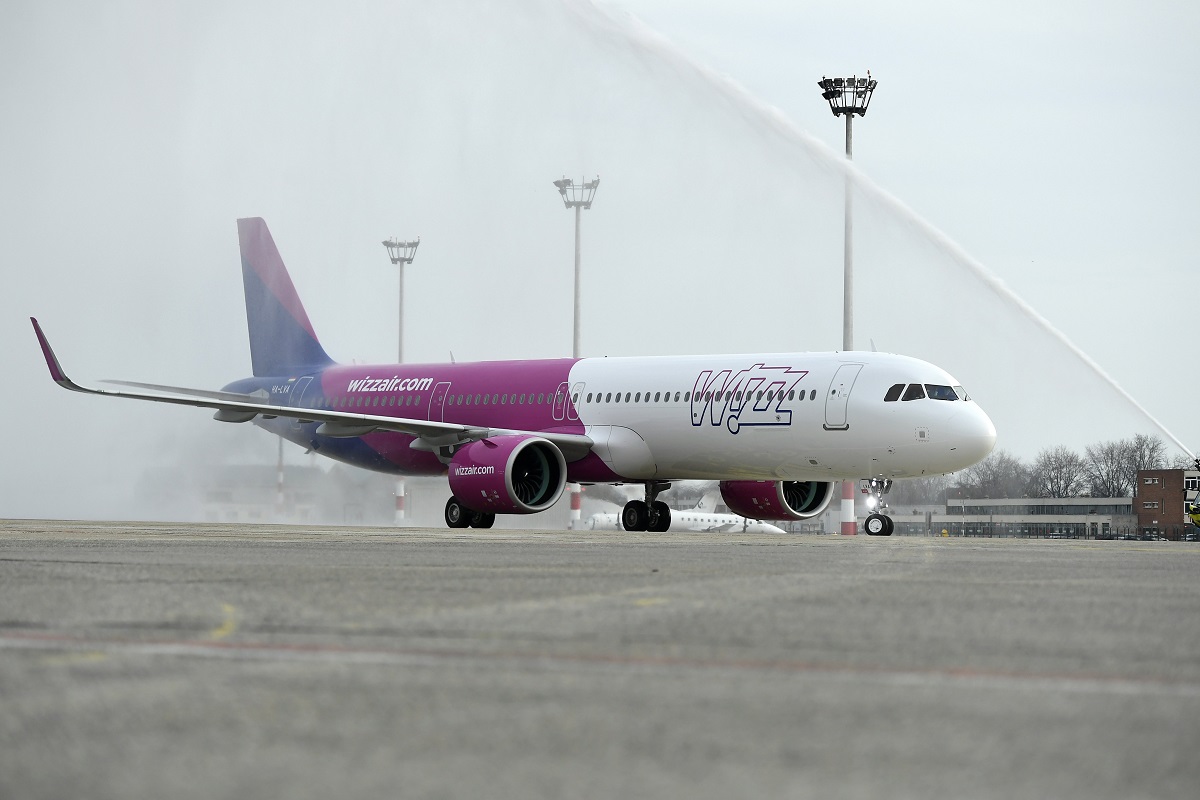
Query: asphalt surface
point(157, 660)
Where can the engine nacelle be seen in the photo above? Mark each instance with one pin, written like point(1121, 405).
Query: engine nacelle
point(508, 475)
point(777, 499)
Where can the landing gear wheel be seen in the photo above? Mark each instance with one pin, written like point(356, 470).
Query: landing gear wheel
point(891, 526)
point(877, 525)
point(660, 517)
point(635, 516)
point(458, 515)
point(482, 519)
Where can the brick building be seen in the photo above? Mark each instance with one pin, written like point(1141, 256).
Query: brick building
point(1160, 499)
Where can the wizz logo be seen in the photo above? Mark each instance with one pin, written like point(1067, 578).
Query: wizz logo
point(757, 396)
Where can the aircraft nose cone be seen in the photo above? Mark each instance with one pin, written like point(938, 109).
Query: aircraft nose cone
point(977, 434)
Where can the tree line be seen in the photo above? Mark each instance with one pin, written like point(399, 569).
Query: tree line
point(1104, 469)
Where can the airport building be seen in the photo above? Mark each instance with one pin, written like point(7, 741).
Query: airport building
point(1026, 517)
point(1162, 497)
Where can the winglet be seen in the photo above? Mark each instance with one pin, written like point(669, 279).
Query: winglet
point(56, 370)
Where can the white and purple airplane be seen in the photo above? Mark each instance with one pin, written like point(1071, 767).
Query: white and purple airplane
point(776, 430)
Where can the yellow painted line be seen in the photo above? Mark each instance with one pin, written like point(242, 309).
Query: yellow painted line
point(228, 626)
point(90, 657)
point(650, 601)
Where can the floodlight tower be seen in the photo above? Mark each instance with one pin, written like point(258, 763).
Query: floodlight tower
point(401, 253)
point(847, 97)
point(577, 196)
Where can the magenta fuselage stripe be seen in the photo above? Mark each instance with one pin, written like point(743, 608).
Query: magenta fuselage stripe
point(260, 252)
point(439, 392)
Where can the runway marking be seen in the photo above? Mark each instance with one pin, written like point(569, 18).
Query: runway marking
point(650, 601)
point(228, 626)
point(337, 654)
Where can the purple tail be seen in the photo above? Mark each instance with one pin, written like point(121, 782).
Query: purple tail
point(282, 340)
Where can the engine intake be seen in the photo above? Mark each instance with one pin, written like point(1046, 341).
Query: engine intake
point(777, 499)
point(508, 475)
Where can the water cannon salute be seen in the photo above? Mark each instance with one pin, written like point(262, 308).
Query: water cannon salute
point(777, 430)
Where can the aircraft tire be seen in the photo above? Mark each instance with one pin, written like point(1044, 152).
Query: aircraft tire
point(876, 525)
point(660, 517)
point(483, 519)
point(457, 515)
point(891, 526)
point(635, 516)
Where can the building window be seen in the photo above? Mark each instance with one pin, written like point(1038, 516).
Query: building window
point(1150, 504)
point(1151, 481)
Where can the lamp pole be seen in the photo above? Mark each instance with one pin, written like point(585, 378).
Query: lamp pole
point(848, 97)
point(401, 253)
point(577, 196)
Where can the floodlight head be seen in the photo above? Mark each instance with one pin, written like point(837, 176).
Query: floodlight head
point(402, 252)
point(848, 95)
point(577, 195)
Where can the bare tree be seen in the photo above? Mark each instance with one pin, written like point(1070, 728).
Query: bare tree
point(998, 475)
point(1145, 452)
point(1108, 472)
point(925, 491)
point(1058, 472)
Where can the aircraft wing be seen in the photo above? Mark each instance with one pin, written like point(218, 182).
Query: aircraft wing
point(232, 407)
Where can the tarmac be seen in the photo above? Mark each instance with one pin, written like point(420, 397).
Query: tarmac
point(146, 660)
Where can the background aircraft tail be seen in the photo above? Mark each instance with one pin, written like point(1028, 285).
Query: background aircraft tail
point(282, 340)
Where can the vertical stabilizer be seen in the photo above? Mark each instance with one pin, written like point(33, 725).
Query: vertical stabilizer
point(282, 340)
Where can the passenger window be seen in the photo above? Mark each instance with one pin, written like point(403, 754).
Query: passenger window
point(618, 397)
point(656, 396)
point(687, 396)
point(627, 397)
point(915, 392)
point(893, 394)
point(677, 397)
point(503, 399)
point(812, 395)
point(637, 398)
point(589, 397)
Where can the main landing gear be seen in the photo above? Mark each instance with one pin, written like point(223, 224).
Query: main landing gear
point(459, 516)
point(878, 523)
point(650, 514)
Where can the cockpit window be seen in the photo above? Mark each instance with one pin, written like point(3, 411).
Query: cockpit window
point(961, 392)
point(941, 392)
point(893, 394)
point(915, 392)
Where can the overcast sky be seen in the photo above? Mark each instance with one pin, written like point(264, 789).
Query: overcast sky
point(1052, 141)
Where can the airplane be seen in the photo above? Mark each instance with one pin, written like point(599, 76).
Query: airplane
point(777, 430)
point(703, 518)
point(691, 520)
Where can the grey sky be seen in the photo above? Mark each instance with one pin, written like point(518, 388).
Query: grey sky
point(1050, 140)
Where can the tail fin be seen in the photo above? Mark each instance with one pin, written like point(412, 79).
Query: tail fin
point(282, 340)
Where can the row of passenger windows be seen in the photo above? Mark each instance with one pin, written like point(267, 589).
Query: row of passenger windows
point(639, 397)
point(919, 391)
point(543, 398)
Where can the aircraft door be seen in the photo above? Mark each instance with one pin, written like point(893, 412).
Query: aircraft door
point(297, 393)
point(839, 397)
point(437, 401)
point(560, 402)
point(573, 408)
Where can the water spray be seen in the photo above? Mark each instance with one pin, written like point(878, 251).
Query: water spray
point(631, 32)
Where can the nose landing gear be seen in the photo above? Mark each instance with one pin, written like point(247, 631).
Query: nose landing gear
point(877, 523)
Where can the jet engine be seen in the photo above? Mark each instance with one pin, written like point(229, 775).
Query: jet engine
point(777, 499)
point(508, 475)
